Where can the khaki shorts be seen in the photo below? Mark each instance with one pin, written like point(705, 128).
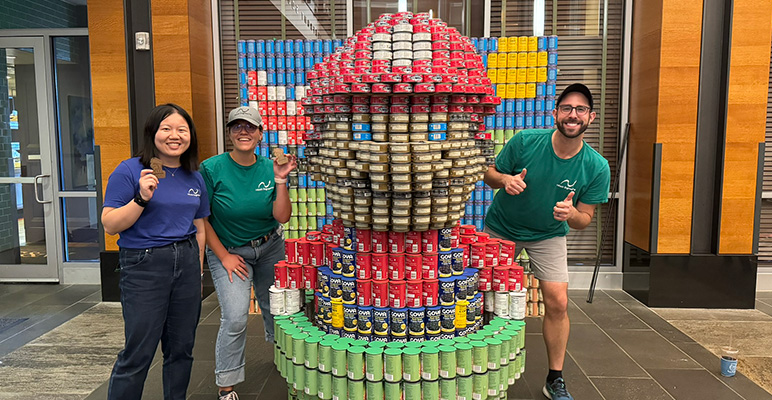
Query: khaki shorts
point(549, 257)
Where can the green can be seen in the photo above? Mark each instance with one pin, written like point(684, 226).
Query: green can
point(276, 355)
point(374, 390)
point(293, 223)
point(356, 390)
point(430, 390)
point(325, 355)
point(312, 209)
point(302, 195)
point(461, 339)
point(299, 371)
point(447, 362)
point(446, 342)
point(463, 359)
point(374, 364)
point(522, 361)
point(325, 386)
point(506, 340)
point(293, 194)
point(447, 389)
point(395, 345)
point(381, 345)
point(503, 382)
point(302, 209)
point(464, 387)
point(294, 209)
point(355, 357)
point(299, 348)
point(339, 388)
point(312, 384)
point(287, 341)
point(494, 353)
point(412, 390)
point(411, 365)
point(392, 390)
point(289, 372)
point(480, 386)
point(430, 363)
point(494, 378)
point(392, 364)
point(479, 356)
point(339, 359)
point(312, 352)
point(512, 369)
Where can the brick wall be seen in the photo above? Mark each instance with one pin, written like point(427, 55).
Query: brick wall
point(27, 14)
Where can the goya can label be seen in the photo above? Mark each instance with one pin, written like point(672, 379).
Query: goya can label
point(457, 262)
point(348, 263)
point(365, 320)
point(323, 280)
point(444, 237)
point(336, 264)
point(416, 321)
point(398, 317)
point(447, 291)
point(461, 287)
point(349, 290)
point(381, 321)
point(433, 320)
point(336, 286)
point(325, 308)
point(447, 318)
point(349, 317)
point(445, 263)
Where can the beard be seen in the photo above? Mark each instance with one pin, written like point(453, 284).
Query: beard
point(580, 130)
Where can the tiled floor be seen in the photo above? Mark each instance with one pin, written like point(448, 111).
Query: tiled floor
point(619, 349)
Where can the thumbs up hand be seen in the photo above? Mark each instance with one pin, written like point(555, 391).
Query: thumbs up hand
point(515, 184)
point(564, 210)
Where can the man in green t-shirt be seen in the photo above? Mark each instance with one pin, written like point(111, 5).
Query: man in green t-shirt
point(551, 180)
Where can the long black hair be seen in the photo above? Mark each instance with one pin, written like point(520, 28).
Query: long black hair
point(188, 159)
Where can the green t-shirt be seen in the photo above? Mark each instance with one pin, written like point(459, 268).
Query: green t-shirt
point(241, 198)
point(529, 215)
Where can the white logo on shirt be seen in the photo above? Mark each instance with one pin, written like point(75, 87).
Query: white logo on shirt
point(194, 192)
point(565, 184)
point(264, 186)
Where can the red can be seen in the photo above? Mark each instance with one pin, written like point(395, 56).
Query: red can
point(295, 275)
point(431, 289)
point(380, 266)
point(501, 279)
point(397, 294)
point(317, 253)
point(364, 240)
point(468, 229)
point(280, 275)
point(380, 240)
point(413, 242)
point(397, 266)
point(363, 266)
point(429, 267)
point(492, 253)
point(364, 292)
point(516, 278)
point(304, 252)
point(396, 242)
point(507, 256)
point(291, 250)
point(478, 255)
point(413, 266)
point(328, 252)
point(309, 277)
point(482, 237)
point(415, 293)
point(486, 280)
point(429, 241)
point(380, 289)
point(467, 239)
point(455, 235)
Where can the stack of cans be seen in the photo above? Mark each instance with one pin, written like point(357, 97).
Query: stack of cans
point(272, 79)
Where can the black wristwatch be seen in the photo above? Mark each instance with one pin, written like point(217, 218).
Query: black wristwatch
point(139, 200)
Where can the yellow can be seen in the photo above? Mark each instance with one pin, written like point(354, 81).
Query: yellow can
point(501, 90)
point(530, 75)
point(337, 313)
point(520, 93)
point(512, 75)
point(460, 321)
point(491, 73)
point(530, 90)
point(522, 43)
point(512, 44)
point(493, 58)
point(501, 62)
point(541, 74)
point(503, 45)
point(522, 60)
point(533, 59)
point(521, 75)
point(511, 60)
point(541, 59)
point(533, 43)
point(501, 77)
point(511, 91)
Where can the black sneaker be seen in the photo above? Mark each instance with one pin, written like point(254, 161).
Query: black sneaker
point(557, 390)
point(229, 396)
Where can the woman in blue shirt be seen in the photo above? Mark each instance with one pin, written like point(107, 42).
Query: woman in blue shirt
point(161, 225)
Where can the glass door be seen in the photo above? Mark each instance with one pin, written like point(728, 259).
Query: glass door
point(27, 223)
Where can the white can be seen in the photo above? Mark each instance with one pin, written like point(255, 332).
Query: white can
point(292, 301)
point(291, 108)
point(262, 78)
point(276, 297)
point(281, 93)
point(489, 300)
point(271, 93)
point(517, 304)
point(501, 304)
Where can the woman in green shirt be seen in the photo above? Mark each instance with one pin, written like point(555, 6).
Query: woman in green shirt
point(249, 200)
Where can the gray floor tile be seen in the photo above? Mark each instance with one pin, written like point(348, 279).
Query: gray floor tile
point(656, 322)
point(600, 356)
point(609, 314)
point(650, 350)
point(619, 295)
point(764, 306)
point(694, 314)
point(533, 325)
point(631, 389)
point(689, 384)
point(69, 295)
point(764, 295)
point(576, 315)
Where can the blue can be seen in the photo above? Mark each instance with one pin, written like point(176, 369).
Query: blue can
point(529, 120)
point(433, 337)
point(242, 61)
point(399, 322)
point(367, 337)
point(478, 208)
point(541, 89)
point(289, 62)
point(549, 104)
point(326, 305)
point(308, 46)
point(551, 88)
point(552, 58)
point(302, 180)
point(300, 78)
point(270, 62)
point(336, 43)
point(334, 331)
point(263, 150)
point(416, 318)
point(298, 46)
point(509, 121)
point(381, 321)
point(445, 264)
point(337, 260)
point(269, 47)
point(298, 62)
point(243, 92)
point(488, 195)
point(529, 105)
point(320, 221)
point(499, 121)
point(308, 62)
point(552, 42)
point(319, 306)
point(447, 288)
point(468, 210)
point(251, 62)
point(326, 46)
point(457, 262)
point(273, 137)
point(478, 223)
point(445, 236)
point(493, 45)
point(348, 262)
point(486, 207)
point(379, 338)
point(242, 77)
point(447, 316)
point(290, 92)
point(317, 45)
point(485, 62)
point(541, 43)
point(349, 238)
point(323, 280)
point(482, 44)
point(478, 193)
point(433, 320)
point(552, 73)
point(549, 121)
point(500, 107)
point(539, 120)
point(278, 47)
point(416, 338)
point(473, 280)
point(281, 77)
point(470, 312)
point(289, 77)
point(490, 120)
point(318, 58)
point(538, 104)
point(301, 154)
point(475, 42)
point(349, 290)
point(448, 335)
point(519, 105)
point(460, 287)
point(350, 317)
point(260, 46)
point(279, 61)
point(478, 311)
point(260, 63)
point(509, 105)
point(365, 320)
point(433, 127)
point(241, 46)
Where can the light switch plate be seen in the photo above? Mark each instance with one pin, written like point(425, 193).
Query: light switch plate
point(142, 41)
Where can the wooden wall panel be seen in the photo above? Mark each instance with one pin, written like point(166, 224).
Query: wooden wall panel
point(746, 119)
point(202, 76)
point(109, 88)
point(644, 92)
point(679, 80)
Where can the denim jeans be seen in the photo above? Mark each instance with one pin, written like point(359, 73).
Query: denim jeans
point(161, 299)
point(234, 305)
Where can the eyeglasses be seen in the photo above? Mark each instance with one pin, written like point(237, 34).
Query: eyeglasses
point(580, 110)
point(245, 127)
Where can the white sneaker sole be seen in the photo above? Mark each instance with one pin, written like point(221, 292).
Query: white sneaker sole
point(546, 393)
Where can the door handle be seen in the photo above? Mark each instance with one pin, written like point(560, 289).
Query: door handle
point(37, 197)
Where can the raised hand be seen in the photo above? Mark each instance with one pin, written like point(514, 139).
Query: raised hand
point(515, 184)
point(147, 184)
point(282, 171)
point(564, 210)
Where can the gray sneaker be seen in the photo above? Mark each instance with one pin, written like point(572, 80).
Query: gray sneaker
point(557, 390)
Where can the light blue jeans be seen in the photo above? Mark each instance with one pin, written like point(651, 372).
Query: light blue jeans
point(234, 305)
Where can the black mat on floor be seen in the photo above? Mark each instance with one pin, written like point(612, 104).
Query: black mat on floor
point(8, 323)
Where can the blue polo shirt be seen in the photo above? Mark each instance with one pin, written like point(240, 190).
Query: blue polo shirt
point(169, 215)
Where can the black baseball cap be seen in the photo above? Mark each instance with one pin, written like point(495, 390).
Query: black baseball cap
point(578, 88)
